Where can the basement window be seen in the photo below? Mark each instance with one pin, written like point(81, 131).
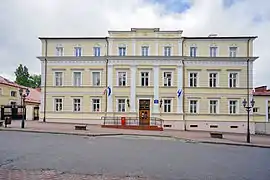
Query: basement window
point(193, 125)
point(167, 125)
point(255, 109)
point(213, 126)
point(234, 127)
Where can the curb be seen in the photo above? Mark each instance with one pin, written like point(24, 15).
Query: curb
point(142, 135)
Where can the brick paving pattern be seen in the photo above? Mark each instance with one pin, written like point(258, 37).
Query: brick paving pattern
point(17, 174)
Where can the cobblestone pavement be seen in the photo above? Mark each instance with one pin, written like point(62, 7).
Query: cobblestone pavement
point(17, 174)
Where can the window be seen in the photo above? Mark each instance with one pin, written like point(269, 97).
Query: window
point(76, 105)
point(233, 80)
point(59, 51)
point(193, 51)
point(96, 51)
point(193, 79)
point(122, 51)
point(78, 51)
point(167, 79)
point(193, 106)
point(167, 105)
point(233, 51)
point(12, 103)
point(58, 104)
point(1, 91)
point(122, 78)
point(255, 109)
point(145, 50)
point(121, 105)
point(213, 51)
point(167, 51)
point(213, 106)
point(144, 78)
point(13, 93)
point(96, 78)
point(213, 79)
point(96, 105)
point(232, 106)
point(77, 78)
point(58, 76)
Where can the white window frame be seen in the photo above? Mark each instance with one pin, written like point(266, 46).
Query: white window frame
point(57, 52)
point(165, 52)
point(196, 51)
point(94, 52)
point(54, 104)
point(212, 52)
point(237, 79)
point(92, 77)
point(197, 106)
point(99, 103)
point(197, 79)
point(117, 104)
point(73, 78)
point(73, 104)
point(117, 76)
point(236, 52)
point(237, 106)
point(217, 107)
point(171, 105)
point(149, 77)
point(54, 78)
point(217, 79)
point(122, 46)
point(75, 51)
point(147, 52)
point(163, 78)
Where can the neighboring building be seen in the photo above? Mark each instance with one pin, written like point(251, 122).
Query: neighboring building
point(11, 99)
point(261, 110)
point(201, 81)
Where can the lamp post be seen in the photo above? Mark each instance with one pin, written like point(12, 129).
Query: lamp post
point(248, 107)
point(23, 96)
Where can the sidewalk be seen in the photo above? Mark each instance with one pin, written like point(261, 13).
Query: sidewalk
point(96, 130)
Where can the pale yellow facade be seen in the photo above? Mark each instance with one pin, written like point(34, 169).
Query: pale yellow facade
point(155, 65)
point(9, 94)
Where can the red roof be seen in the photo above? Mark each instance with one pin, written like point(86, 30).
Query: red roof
point(261, 91)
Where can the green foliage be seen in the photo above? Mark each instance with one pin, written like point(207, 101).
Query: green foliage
point(25, 79)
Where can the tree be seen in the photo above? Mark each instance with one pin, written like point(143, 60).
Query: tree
point(25, 79)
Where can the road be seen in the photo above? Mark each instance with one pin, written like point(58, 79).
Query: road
point(63, 156)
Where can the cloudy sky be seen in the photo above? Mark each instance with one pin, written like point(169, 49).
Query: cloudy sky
point(23, 21)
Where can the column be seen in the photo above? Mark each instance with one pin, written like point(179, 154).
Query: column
point(180, 47)
point(110, 83)
point(180, 86)
point(133, 88)
point(156, 88)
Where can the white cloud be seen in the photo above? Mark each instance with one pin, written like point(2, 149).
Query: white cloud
point(23, 21)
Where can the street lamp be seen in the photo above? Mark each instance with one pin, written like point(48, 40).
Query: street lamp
point(248, 108)
point(23, 96)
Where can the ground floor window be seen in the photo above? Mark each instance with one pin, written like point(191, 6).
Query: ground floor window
point(121, 105)
point(58, 104)
point(76, 105)
point(167, 105)
point(96, 105)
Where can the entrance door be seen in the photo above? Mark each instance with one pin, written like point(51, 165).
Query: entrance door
point(144, 112)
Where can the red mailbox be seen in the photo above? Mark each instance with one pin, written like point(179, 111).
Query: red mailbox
point(123, 121)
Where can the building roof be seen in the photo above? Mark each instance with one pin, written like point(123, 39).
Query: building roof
point(86, 37)
point(261, 91)
point(222, 37)
point(8, 82)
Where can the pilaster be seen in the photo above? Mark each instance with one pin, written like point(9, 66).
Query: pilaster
point(180, 87)
point(110, 84)
point(133, 88)
point(156, 87)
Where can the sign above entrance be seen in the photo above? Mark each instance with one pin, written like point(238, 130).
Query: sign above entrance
point(156, 101)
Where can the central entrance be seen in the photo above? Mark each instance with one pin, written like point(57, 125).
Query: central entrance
point(144, 112)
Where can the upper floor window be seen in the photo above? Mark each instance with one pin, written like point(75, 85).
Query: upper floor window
point(167, 78)
point(193, 51)
point(233, 80)
point(213, 79)
point(59, 51)
point(144, 78)
point(193, 106)
point(167, 51)
point(58, 104)
point(213, 106)
point(78, 51)
point(76, 104)
point(213, 51)
point(96, 78)
point(1, 91)
point(122, 78)
point(167, 105)
point(58, 77)
point(233, 106)
point(13, 93)
point(77, 78)
point(145, 50)
point(121, 105)
point(193, 76)
point(122, 51)
point(96, 51)
point(95, 105)
point(233, 51)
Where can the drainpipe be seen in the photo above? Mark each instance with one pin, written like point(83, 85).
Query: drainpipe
point(45, 81)
point(184, 86)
